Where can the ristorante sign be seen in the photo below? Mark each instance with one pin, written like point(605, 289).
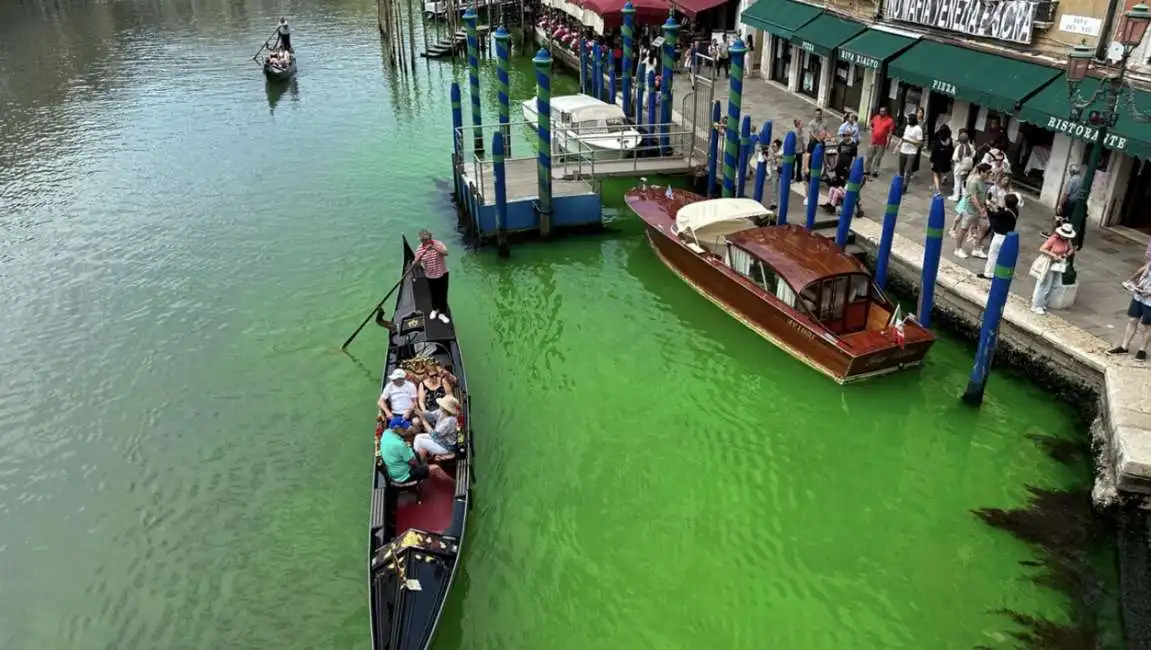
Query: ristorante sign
point(1009, 20)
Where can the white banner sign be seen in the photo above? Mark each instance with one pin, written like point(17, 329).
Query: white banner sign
point(1084, 25)
point(1009, 20)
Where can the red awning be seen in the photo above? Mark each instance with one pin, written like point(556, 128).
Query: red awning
point(646, 11)
point(691, 8)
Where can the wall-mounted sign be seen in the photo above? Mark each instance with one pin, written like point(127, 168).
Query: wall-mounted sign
point(1088, 133)
point(1008, 20)
point(1085, 25)
point(807, 47)
point(859, 59)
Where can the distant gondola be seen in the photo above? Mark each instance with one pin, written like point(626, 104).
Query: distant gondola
point(417, 530)
point(274, 67)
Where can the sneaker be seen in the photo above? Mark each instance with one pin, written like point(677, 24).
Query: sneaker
point(444, 319)
point(984, 276)
point(1118, 349)
point(953, 199)
point(961, 254)
point(434, 314)
point(1141, 356)
point(978, 253)
point(1039, 310)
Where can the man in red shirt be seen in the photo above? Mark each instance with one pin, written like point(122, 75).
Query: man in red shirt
point(882, 126)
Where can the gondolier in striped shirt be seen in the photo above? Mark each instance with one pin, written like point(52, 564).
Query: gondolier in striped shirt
point(430, 255)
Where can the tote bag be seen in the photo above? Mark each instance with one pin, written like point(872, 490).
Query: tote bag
point(1040, 267)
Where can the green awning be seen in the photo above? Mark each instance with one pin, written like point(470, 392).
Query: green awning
point(873, 48)
point(826, 33)
point(989, 80)
point(779, 17)
point(1050, 109)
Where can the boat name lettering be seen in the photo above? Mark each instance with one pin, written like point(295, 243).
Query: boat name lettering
point(859, 59)
point(942, 87)
point(1008, 20)
point(1084, 132)
point(801, 329)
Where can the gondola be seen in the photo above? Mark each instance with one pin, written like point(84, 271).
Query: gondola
point(275, 72)
point(417, 531)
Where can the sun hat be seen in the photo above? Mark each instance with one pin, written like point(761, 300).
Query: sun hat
point(1066, 231)
point(398, 374)
point(449, 404)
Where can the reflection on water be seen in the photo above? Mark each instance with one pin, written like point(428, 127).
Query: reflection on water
point(276, 90)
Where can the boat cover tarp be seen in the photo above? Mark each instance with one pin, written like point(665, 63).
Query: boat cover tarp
point(717, 218)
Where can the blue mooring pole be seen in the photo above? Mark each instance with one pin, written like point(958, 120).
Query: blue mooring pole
point(639, 81)
point(628, 51)
point(932, 247)
point(816, 172)
point(651, 97)
point(992, 315)
point(850, 201)
point(784, 199)
point(470, 18)
point(501, 194)
point(457, 136)
point(596, 72)
point(890, 215)
point(584, 77)
point(670, 34)
point(761, 163)
point(744, 156)
point(543, 66)
point(713, 148)
point(611, 86)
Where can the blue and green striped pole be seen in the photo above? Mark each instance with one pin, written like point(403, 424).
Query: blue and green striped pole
point(639, 81)
point(788, 164)
point(502, 40)
point(932, 248)
point(992, 315)
point(457, 135)
point(543, 65)
point(761, 163)
point(816, 172)
point(890, 215)
point(501, 183)
point(628, 48)
point(670, 34)
point(734, 100)
point(470, 19)
point(596, 71)
point(744, 156)
point(850, 201)
point(713, 148)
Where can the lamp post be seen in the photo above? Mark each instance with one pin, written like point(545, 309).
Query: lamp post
point(1080, 60)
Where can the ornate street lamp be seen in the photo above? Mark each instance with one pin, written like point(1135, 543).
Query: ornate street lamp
point(1080, 61)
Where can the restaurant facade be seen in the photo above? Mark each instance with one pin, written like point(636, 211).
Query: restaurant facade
point(995, 68)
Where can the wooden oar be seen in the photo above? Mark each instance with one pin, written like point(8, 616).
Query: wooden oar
point(378, 306)
point(265, 44)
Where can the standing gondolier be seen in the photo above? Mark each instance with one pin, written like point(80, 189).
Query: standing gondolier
point(430, 255)
point(284, 34)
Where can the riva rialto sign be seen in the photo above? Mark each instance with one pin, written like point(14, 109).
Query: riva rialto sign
point(1088, 133)
point(1010, 20)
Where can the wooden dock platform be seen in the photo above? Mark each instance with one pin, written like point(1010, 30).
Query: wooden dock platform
point(522, 181)
point(449, 44)
point(626, 167)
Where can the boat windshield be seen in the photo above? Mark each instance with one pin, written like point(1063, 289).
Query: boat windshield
point(593, 127)
point(841, 302)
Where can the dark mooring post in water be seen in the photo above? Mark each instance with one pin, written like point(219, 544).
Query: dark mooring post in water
point(651, 98)
point(503, 39)
point(890, 215)
point(596, 71)
point(992, 315)
point(744, 156)
point(816, 172)
point(784, 193)
point(584, 77)
point(543, 66)
point(470, 19)
point(628, 49)
point(713, 148)
point(501, 183)
point(641, 75)
point(850, 202)
point(761, 161)
point(932, 248)
point(457, 148)
point(670, 35)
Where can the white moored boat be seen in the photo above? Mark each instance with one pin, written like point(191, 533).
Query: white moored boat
point(582, 124)
point(434, 9)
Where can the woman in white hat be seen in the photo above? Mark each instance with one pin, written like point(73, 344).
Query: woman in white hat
point(445, 425)
point(1049, 267)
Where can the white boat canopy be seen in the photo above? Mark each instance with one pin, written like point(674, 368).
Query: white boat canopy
point(716, 218)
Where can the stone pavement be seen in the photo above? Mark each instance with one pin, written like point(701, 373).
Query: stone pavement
point(1104, 263)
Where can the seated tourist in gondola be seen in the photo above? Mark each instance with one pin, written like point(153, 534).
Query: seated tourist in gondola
point(398, 400)
point(444, 427)
point(401, 462)
point(436, 384)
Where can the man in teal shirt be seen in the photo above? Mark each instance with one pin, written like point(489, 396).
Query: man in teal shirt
point(401, 461)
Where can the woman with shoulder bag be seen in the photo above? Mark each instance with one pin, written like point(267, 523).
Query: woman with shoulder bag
point(1048, 268)
point(963, 161)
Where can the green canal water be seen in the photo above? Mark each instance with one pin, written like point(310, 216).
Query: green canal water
point(184, 456)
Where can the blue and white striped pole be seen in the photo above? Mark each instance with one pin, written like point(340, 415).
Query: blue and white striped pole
point(992, 315)
point(761, 163)
point(744, 156)
point(788, 164)
point(628, 50)
point(890, 215)
point(713, 149)
point(932, 249)
point(813, 185)
point(470, 19)
point(543, 65)
point(503, 38)
point(501, 183)
point(670, 34)
point(850, 201)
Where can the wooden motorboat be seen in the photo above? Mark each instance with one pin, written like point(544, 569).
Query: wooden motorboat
point(275, 68)
point(588, 127)
point(794, 287)
point(417, 531)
